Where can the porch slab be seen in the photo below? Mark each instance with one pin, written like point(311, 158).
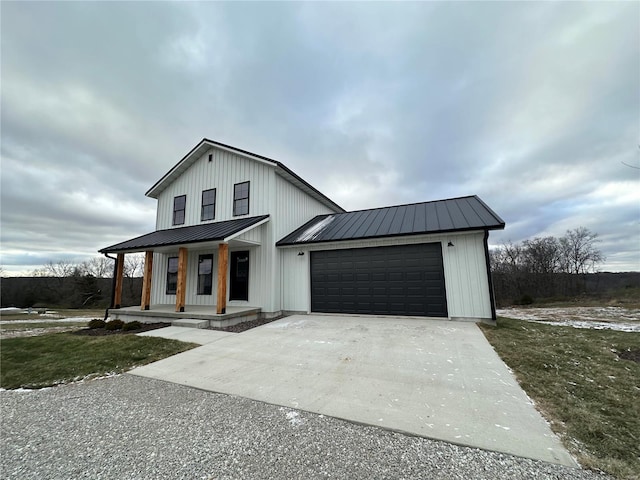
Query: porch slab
point(190, 323)
point(167, 313)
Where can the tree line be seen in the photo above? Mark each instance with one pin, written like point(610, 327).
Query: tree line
point(69, 284)
point(544, 267)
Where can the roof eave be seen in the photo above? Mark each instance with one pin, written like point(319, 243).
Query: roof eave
point(395, 235)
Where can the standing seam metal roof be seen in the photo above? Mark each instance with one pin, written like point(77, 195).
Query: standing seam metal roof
point(450, 215)
point(182, 235)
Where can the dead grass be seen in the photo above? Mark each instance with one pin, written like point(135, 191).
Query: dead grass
point(51, 359)
point(589, 394)
point(59, 313)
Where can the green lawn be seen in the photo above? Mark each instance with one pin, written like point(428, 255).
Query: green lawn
point(590, 395)
point(34, 362)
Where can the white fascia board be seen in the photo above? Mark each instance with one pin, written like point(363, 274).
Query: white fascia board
point(249, 228)
point(242, 154)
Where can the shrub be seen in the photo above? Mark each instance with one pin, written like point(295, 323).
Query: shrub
point(114, 325)
point(96, 323)
point(135, 325)
point(525, 300)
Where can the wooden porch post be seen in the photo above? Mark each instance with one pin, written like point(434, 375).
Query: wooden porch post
point(223, 262)
point(117, 299)
point(146, 281)
point(181, 289)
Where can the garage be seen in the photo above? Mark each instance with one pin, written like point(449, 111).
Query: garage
point(390, 280)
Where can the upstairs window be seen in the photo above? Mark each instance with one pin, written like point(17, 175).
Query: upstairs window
point(241, 198)
point(179, 205)
point(208, 205)
point(172, 275)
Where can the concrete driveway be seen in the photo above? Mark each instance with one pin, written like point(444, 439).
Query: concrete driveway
point(436, 379)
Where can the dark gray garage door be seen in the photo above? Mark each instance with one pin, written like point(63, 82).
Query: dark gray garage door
point(398, 280)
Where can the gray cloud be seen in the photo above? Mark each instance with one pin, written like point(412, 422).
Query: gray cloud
point(532, 106)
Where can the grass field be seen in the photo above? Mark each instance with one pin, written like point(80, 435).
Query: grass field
point(59, 313)
point(589, 394)
point(51, 359)
point(17, 325)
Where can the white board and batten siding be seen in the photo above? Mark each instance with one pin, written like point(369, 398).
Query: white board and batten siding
point(269, 193)
point(465, 272)
point(258, 293)
point(294, 207)
point(222, 173)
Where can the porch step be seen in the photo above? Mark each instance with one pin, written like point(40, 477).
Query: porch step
point(190, 322)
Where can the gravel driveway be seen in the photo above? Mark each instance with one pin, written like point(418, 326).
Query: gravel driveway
point(128, 427)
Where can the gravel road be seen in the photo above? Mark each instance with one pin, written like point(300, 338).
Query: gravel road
point(129, 427)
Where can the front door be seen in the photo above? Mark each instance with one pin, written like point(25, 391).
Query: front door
point(239, 277)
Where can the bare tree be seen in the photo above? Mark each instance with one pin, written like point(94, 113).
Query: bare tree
point(59, 269)
point(542, 255)
point(133, 264)
point(579, 251)
point(99, 267)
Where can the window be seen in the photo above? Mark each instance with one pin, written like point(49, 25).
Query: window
point(179, 205)
point(241, 198)
point(208, 205)
point(205, 274)
point(172, 275)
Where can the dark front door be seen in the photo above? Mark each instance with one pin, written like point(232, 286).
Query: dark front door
point(239, 277)
point(398, 280)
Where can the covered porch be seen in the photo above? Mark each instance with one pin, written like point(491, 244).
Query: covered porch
point(179, 280)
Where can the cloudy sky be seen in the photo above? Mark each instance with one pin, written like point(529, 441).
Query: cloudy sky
point(535, 107)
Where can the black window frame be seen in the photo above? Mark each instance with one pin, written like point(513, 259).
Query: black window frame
point(205, 280)
point(203, 205)
point(172, 277)
point(237, 200)
point(176, 210)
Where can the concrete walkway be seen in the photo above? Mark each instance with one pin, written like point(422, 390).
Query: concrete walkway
point(186, 334)
point(437, 379)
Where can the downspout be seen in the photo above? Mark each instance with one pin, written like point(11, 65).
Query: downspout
point(489, 278)
point(113, 285)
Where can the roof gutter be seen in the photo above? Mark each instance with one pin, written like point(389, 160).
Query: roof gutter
point(489, 277)
point(113, 285)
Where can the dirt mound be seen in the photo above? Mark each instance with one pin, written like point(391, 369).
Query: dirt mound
point(99, 332)
point(633, 355)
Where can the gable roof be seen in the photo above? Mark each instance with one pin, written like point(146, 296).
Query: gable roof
point(179, 236)
point(206, 144)
point(450, 215)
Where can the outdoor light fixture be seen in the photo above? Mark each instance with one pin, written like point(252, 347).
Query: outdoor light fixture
point(450, 244)
point(300, 254)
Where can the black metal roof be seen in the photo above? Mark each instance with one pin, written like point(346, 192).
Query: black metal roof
point(182, 235)
point(451, 215)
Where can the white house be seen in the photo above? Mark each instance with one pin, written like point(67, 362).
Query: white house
point(238, 232)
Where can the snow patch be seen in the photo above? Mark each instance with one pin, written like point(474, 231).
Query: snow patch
point(24, 390)
point(314, 230)
point(292, 416)
point(596, 318)
point(49, 320)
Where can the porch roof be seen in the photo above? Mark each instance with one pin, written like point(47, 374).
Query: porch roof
point(217, 231)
